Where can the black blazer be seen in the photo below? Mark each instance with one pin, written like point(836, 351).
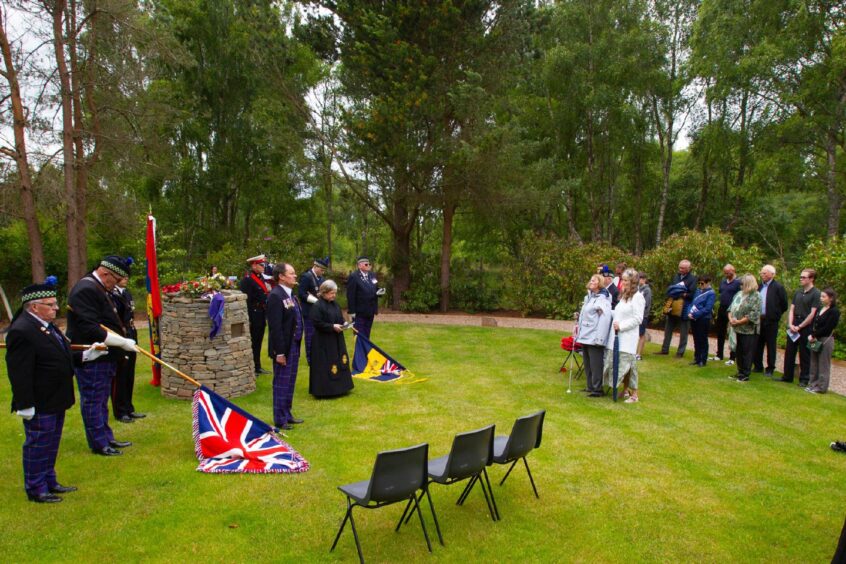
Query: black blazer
point(40, 368)
point(256, 298)
point(125, 305)
point(281, 321)
point(776, 301)
point(825, 324)
point(309, 284)
point(361, 294)
point(89, 305)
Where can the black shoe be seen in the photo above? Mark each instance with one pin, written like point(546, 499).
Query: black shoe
point(286, 426)
point(758, 370)
point(803, 384)
point(743, 379)
point(59, 488)
point(120, 444)
point(680, 355)
point(661, 352)
point(44, 498)
point(261, 370)
point(125, 419)
point(785, 380)
point(769, 373)
point(107, 451)
point(294, 420)
point(595, 395)
point(700, 364)
point(838, 446)
point(136, 415)
point(695, 363)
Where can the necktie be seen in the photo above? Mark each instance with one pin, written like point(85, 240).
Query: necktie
point(58, 335)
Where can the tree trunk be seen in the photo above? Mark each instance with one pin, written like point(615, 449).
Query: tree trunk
point(402, 225)
point(33, 231)
point(80, 164)
point(446, 254)
point(665, 139)
point(75, 268)
point(835, 201)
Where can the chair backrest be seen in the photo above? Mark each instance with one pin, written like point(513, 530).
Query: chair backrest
point(398, 473)
point(525, 435)
point(470, 453)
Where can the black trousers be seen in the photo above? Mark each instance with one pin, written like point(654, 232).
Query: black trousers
point(800, 346)
point(721, 326)
point(766, 338)
point(257, 324)
point(122, 386)
point(700, 329)
point(745, 350)
point(594, 361)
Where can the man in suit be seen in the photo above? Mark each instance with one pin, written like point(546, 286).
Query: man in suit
point(773, 306)
point(40, 368)
point(362, 297)
point(124, 382)
point(307, 289)
point(285, 324)
point(257, 289)
point(610, 289)
point(90, 307)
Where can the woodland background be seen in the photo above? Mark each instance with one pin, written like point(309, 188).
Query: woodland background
point(486, 154)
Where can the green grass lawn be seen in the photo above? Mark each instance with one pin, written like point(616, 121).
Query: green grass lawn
point(703, 468)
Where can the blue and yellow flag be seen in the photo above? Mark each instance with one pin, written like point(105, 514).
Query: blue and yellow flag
point(372, 363)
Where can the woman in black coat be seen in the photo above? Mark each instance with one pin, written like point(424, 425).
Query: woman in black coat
point(329, 371)
point(822, 337)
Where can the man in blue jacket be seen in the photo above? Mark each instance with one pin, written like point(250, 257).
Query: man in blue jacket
point(362, 297)
point(701, 311)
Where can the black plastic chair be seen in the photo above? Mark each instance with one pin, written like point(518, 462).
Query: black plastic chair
point(469, 457)
point(397, 476)
point(525, 436)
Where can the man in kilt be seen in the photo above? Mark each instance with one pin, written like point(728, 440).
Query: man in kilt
point(285, 325)
point(90, 307)
point(307, 289)
point(40, 368)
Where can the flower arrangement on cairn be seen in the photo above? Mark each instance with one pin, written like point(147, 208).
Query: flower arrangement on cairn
point(199, 288)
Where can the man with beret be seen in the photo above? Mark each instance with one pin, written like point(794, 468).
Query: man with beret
point(40, 368)
point(124, 382)
point(609, 289)
point(285, 323)
point(310, 282)
point(257, 289)
point(362, 297)
point(90, 308)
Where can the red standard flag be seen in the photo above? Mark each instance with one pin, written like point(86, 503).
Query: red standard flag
point(154, 298)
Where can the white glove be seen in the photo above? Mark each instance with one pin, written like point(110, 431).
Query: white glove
point(380, 292)
point(92, 353)
point(115, 340)
point(352, 317)
point(27, 413)
point(311, 299)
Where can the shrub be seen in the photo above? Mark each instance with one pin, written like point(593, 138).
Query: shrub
point(828, 258)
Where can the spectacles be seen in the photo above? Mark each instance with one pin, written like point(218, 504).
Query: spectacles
point(54, 305)
point(803, 277)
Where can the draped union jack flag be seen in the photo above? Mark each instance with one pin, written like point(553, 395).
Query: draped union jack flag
point(229, 440)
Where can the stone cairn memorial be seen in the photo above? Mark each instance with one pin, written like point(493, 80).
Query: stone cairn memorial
point(224, 364)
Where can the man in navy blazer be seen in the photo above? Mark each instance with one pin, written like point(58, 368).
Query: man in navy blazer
point(362, 297)
point(40, 368)
point(285, 325)
point(773, 306)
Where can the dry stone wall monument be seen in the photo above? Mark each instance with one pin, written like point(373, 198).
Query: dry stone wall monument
point(224, 364)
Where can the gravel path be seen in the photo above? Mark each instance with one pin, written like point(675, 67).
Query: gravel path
point(838, 367)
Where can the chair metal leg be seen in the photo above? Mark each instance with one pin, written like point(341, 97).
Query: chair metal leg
point(355, 536)
point(487, 500)
point(343, 524)
point(467, 490)
point(507, 473)
point(490, 489)
point(434, 517)
point(403, 517)
point(530, 477)
point(422, 524)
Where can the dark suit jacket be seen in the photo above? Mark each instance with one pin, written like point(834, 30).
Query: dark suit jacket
point(40, 368)
point(281, 322)
point(125, 305)
point(89, 305)
point(361, 294)
point(309, 284)
point(776, 301)
point(256, 298)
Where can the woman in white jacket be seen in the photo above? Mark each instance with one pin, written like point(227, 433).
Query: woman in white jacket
point(627, 318)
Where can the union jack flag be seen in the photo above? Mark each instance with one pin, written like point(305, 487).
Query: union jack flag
point(229, 440)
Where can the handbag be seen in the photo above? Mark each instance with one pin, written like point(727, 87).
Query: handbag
point(815, 346)
point(668, 306)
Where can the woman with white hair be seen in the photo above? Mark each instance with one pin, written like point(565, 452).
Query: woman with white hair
point(627, 318)
point(329, 371)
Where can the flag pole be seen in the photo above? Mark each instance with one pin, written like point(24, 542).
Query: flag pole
point(156, 359)
point(75, 347)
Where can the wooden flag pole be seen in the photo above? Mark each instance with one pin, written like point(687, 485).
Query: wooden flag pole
point(157, 360)
point(75, 347)
point(6, 303)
